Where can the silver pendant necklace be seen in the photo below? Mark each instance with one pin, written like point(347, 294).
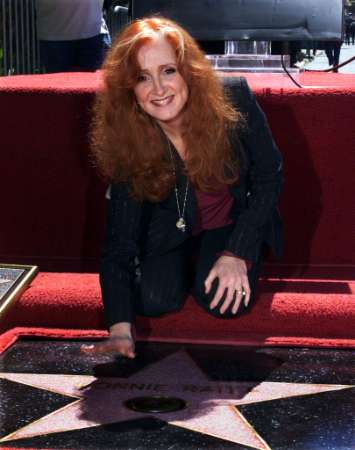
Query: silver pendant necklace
point(180, 224)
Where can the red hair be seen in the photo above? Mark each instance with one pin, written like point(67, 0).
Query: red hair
point(127, 143)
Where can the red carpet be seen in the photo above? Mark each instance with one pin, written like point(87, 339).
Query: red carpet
point(288, 312)
point(55, 211)
point(53, 215)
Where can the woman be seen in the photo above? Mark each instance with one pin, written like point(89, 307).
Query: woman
point(190, 179)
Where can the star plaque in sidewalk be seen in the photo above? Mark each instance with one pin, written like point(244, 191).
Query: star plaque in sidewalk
point(211, 406)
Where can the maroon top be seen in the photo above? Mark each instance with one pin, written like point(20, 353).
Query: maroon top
point(213, 209)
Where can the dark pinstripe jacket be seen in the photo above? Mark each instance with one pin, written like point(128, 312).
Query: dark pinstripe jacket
point(141, 228)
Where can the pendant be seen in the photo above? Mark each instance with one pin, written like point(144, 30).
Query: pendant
point(181, 225)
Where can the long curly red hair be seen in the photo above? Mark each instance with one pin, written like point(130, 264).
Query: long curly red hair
point(127, 143)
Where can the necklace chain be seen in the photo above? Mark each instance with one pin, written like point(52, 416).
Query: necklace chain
point(180, 224)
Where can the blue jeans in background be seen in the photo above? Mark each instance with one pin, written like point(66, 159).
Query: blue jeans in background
point(81, 55)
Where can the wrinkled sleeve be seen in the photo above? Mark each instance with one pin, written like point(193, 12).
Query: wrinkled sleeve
point(264, 179)
point(120, 247)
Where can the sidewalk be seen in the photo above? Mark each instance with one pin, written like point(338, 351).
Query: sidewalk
point(320, 62)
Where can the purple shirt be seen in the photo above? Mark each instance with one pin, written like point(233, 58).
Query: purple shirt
point(213, 209)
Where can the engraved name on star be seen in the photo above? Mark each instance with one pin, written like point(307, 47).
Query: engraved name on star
point(212, 406)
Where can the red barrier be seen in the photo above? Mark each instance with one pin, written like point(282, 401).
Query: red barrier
point(52, 203)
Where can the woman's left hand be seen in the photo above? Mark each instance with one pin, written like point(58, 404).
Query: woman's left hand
point(232, 276)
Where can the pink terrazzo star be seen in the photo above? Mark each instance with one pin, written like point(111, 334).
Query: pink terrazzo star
point(211, 405)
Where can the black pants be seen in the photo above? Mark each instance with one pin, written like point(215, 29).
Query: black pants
point(332, 50)
point(84, 55)
point(166, 280)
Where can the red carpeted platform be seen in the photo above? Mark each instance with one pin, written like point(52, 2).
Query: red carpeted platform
point(288, 312)
point(53, 211)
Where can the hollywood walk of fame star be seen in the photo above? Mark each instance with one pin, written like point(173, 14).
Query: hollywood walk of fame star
point(212, 406)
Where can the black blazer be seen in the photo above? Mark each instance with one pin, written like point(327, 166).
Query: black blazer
point(137, 229)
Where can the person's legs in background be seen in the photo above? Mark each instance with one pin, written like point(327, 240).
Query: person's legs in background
point(352, 32)
point(347, 33)
point(314, 47)
point(90, 53)
point(328, 47)
point(294, 50)
point(308, 45)
point(336, 52)
point(57, 56)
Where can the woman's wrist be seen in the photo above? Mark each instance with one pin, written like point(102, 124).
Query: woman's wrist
point(121, 328)
point(228, 253)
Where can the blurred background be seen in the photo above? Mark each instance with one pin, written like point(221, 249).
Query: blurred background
point(20, 49)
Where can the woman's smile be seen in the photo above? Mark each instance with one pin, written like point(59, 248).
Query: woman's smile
point(163, 101)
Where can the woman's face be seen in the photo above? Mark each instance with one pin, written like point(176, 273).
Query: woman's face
point(161, 91)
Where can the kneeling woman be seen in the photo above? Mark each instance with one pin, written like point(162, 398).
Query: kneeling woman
point(194, 178)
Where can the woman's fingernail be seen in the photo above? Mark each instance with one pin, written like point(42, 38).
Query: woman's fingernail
point(87, 347)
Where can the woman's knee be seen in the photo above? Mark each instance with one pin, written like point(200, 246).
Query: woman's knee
point(205, 301)
point(157, 303)
point(161, 284)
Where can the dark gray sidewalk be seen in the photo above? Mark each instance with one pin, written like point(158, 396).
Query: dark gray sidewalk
point(54, 397)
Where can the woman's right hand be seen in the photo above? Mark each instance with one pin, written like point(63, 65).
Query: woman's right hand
point(120, 341)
